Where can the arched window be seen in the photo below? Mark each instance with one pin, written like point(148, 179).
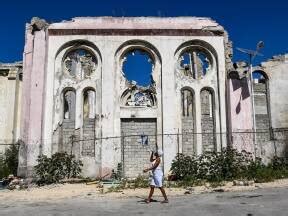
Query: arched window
point(188, 122)
point(195, 62)
point(80, 63)
point(187, 103)
point(207, 120)
point(69, 104)
point(89, 104)
point(206, 103)
point(138, 67)
point(139, 97)
point(139, 64)
point(261, 101)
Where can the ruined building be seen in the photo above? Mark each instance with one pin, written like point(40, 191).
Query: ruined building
point(270, 108)
point(78, 98)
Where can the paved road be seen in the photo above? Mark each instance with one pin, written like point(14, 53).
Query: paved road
point(270, 202)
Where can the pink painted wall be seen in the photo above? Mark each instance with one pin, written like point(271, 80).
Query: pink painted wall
point(25, 113)
point(32, 103)
point(27, 67)
point(241, 121)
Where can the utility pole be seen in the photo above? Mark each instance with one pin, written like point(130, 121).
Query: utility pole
point(252, 54)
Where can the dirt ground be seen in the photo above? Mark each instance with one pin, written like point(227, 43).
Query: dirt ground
point(63, 191)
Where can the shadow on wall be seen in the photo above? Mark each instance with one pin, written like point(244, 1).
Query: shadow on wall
point(240, 83)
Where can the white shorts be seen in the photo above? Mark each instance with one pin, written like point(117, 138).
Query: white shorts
point(156, 178)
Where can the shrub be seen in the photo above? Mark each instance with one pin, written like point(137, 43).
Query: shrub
point(119, 172)
point(4, 172)
point(225, 166)
point(184, 167)
point(9, 161)
point(59, 166)
point(279, 163)
point(11, 158)
point(211, 166)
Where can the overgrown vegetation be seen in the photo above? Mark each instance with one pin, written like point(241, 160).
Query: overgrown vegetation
point(226, 166)
point(214, 168)
point(118, 175)
point(58, 167)
point(3, 168)
point(9, 161)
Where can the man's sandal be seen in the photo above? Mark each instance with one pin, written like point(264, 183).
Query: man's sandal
point(147, 201)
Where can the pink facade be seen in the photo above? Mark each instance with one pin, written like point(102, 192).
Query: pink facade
point(240, 119)
point(32, 106)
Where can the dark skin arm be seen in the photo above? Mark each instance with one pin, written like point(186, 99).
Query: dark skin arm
point(151, 157)
point(156, 164)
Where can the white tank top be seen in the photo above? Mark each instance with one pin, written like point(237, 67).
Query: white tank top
point(159, 166)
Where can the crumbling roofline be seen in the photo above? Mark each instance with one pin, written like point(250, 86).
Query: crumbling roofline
point(135, 32)
point(9, 65)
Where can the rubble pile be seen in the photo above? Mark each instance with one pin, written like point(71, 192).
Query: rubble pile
point(13, 182)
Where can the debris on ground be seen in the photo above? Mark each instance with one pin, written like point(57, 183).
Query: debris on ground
point(13, 182)
point(189, 190)
point(219, 190)
point(93, 182)
point(243, 183)
point(74, 180)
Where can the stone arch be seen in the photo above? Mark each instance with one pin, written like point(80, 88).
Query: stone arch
point(142, 44)
point(188, 106)
point(145, 46)
point(69, 103)
point(261, 105)
point(79, 63)
point(134, 94)
point(188, 120)
point(74, 44)
point(207, 96)
point(80, 54)
point(196, 59)
point(66, 134)
point(89, 103)
point(261, 72)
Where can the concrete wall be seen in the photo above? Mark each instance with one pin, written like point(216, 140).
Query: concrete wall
point(276, 70)
point(274, 116)
point(270, 108)
point(188, 137)
point(240, 114)
point(134, 151)
point(10, 103)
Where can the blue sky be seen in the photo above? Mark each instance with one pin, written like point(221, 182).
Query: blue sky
point(246, 21)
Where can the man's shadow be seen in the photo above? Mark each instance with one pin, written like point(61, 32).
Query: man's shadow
point(143, 201)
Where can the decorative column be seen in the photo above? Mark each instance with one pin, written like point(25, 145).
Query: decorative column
point(34, 58)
